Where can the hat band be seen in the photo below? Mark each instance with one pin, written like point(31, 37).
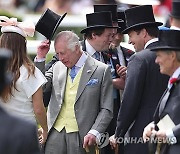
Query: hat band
point(13, 29)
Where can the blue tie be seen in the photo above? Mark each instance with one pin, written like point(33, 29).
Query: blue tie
point(72, 73)
point(97, 55)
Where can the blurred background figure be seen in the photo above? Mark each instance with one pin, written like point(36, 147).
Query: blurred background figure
point(175, 15)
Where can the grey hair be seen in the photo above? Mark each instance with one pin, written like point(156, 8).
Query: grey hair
point(71, 38)
point(177, 54)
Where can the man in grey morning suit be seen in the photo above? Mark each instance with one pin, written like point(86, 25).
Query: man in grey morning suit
point(144, 83)
point(92, 106)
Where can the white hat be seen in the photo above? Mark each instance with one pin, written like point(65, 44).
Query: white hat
point(13, 29)
point(12, 25)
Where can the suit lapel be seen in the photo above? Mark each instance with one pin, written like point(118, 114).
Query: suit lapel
point(163, 101)
point(62, 76)
point(165, 98)
point(87, 72)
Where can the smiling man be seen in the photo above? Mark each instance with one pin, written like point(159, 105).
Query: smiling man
point(168, 57)
point(144, 84)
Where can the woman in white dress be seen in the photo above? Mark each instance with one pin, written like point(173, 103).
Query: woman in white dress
point(23, 98)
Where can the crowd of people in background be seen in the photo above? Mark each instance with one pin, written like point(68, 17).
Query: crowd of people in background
point(94, 94)
point(72, 6)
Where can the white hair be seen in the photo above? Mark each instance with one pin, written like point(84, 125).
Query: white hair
point(71, 38)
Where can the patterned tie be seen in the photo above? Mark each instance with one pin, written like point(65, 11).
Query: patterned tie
point(97, 55)
point(72, 73)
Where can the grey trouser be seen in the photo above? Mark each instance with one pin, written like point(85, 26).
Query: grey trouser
point(63, 143)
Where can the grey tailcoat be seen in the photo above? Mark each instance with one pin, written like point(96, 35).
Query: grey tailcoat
point(93, 104)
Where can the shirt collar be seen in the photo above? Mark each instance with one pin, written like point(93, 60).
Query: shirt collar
point(175, 28)
point(81, 60)
point(175, 75)
point(150, 41)
point(89, 49)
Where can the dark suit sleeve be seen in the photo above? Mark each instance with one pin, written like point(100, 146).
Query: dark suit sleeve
point(132, 94)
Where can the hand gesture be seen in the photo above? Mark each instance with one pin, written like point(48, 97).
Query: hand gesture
point(43, 49)
point(121, 71)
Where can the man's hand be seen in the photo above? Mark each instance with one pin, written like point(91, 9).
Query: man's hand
point(161, 135)
point(89, 140)
point(118, 83)
point(113, 142)
point(149, 130)
point(121, 71)
point(43, 49)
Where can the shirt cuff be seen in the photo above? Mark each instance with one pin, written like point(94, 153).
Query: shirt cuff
point(94, 132)
point(39, 60)
point(170, 137)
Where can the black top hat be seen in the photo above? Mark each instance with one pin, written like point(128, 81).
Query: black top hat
point(140, 16)
point(107, 7)
point(168, 40)
point(175, 9)
point(5, 54)
point(121, 21)
point(98, 20)
point(48, 23)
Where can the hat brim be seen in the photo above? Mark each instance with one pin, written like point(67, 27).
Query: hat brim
point(97, 26)
point(125, 31)
point(55, 28)
point(157, 48)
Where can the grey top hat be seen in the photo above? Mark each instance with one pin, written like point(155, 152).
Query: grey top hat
point(140, 16)
point(48, 23)
point(98, 20)
point(175, 9)
point(168, 40)
point(107, 7)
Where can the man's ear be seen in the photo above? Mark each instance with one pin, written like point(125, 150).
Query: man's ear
point(93, 35)
point(77, 47)
point(144, 32)
point(173, 55)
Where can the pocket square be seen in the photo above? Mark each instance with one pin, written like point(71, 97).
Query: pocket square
point(92, 82)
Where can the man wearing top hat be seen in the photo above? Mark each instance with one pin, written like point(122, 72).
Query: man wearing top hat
point(175, 15)
point(97, 38)
point(116, 58)
point(144, 84)
point(168, 57)
point(47, 26)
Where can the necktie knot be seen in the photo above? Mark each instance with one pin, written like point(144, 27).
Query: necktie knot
point(72, 73)
point(97, 55)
